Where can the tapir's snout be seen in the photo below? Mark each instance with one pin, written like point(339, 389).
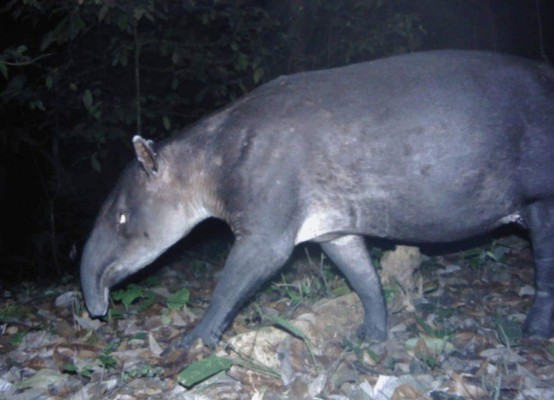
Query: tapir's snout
point(95, 293)
point(94, 265)
point(97, 303)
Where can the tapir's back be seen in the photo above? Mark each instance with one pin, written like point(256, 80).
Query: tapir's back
point(421, 132)
point(403, 107)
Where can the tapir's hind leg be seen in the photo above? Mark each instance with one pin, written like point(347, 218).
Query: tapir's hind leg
point(540, 219)
point(350, 254)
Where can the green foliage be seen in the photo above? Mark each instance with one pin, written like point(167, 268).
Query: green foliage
point(430, 331)
point(178, 300)
point(80, 78)
point(131, 294)
point(318, 279)
point(13, 313)
point(107, 360)
point(202, 370)
point(292, 329)
point(509, 332)
point(17, 339)
point(142, 371)
point(494, 252)
point(162, 58)
point(297, 292)
point(328, 33)
point(428, 349)
point(359, 349)
point(550, 348)
point(73, 369)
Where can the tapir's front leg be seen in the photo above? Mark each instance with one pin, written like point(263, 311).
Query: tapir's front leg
point(252, 260)
point(350, 254)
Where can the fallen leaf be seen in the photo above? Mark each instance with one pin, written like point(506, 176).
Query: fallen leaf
point(41, 379)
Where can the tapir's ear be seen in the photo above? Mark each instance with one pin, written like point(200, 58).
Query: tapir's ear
point(146, 154)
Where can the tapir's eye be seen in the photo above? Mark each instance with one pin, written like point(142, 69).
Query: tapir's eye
point(122, 218)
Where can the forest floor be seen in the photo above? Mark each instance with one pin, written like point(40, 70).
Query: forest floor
point(454, 335)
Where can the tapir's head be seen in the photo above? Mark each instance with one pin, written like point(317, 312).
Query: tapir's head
point(150, 209)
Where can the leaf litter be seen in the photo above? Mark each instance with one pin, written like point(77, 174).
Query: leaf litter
point(454, 333)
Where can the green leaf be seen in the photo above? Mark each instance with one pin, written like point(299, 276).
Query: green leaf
point(167, 123)
point(178, 299)
point(103, 12)
point(149, 300)
point(428, 330)
point(436, 345)
point(49, 81)
point(37, 105)
point(95, 111)
point(149, 16)
point(290, 327)
point(202, 370)
point(283, 323)
point(123, 22)
point(127, 296)
point(174, 84)
point(94, 163)
point(242, 62)
point(16, 339)
point(87, 99)
point(166, 319)
point(76, 24)
point(69, 368)
point(21, 49)
point(107, 361)
point(41, 380)
point(87, 371)
point(138, 13)
point(509, 332)
point(46, 41)
point(4, 68)
point(258, 74)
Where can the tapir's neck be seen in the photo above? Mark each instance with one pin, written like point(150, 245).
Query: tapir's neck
point(194, 181)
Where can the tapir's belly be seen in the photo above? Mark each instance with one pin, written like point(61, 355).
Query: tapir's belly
point(323, 225)
point(409, 210)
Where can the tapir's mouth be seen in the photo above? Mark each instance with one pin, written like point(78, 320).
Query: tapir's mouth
point(98, 305)
point(97, 280)
point(96, 290)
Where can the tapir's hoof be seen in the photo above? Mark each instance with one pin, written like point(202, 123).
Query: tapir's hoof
point(371, 334)
point(540, 317)
point(537, 327)
point(208, 338)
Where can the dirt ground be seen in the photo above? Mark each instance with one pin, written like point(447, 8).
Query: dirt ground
point(454, 333)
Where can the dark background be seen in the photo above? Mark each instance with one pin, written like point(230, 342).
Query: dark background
point(79, 78)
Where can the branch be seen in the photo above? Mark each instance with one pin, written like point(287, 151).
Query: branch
point(24, 63)
point(137, 76)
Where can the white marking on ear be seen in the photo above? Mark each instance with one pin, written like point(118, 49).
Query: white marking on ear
point(146, 154)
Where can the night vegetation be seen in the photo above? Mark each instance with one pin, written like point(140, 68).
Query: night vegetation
point(80, 78)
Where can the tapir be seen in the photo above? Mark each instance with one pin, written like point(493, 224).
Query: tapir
point(426, 147)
